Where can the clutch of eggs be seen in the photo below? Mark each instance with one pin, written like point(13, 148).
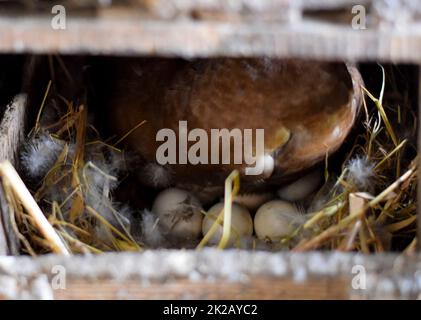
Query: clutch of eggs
point(181, 218)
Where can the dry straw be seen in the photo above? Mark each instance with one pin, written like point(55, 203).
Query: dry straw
point(371, 199)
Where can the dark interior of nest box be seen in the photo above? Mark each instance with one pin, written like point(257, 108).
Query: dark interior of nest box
point(86, 80)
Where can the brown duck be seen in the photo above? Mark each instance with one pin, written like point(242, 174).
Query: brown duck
point(306, 109)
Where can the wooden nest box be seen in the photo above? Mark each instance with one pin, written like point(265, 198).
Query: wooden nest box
point(385, 32)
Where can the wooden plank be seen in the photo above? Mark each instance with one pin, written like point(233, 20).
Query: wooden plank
point(11, 136)
point(212, 274)
point(258, 288)
point(12, 126)
point(130, 35)
point(160, 31)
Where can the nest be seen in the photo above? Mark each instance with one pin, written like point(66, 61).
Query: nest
point(72, 173)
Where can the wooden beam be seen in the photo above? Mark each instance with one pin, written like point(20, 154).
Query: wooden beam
point(257, 288)
point(245, 30)
point(213, 274)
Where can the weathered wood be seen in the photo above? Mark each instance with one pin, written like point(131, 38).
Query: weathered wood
point(257, 288)
point(211, 273)
point(12, 126)
point(159, 29)
point(11, 136)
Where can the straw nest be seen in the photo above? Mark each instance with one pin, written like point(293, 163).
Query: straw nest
point(365, 204)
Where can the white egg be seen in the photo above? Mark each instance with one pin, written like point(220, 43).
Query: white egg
point(179, 214)
point(301, 188)
point(276, 219)
point(252, 201)
point(241, 223)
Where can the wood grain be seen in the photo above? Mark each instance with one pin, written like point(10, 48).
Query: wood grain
point(176, 28)
point(11, 136)
point(258, 288)
point(212, 274)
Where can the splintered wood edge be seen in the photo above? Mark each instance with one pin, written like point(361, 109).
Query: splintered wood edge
point(12, 128)
point(212, 273)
